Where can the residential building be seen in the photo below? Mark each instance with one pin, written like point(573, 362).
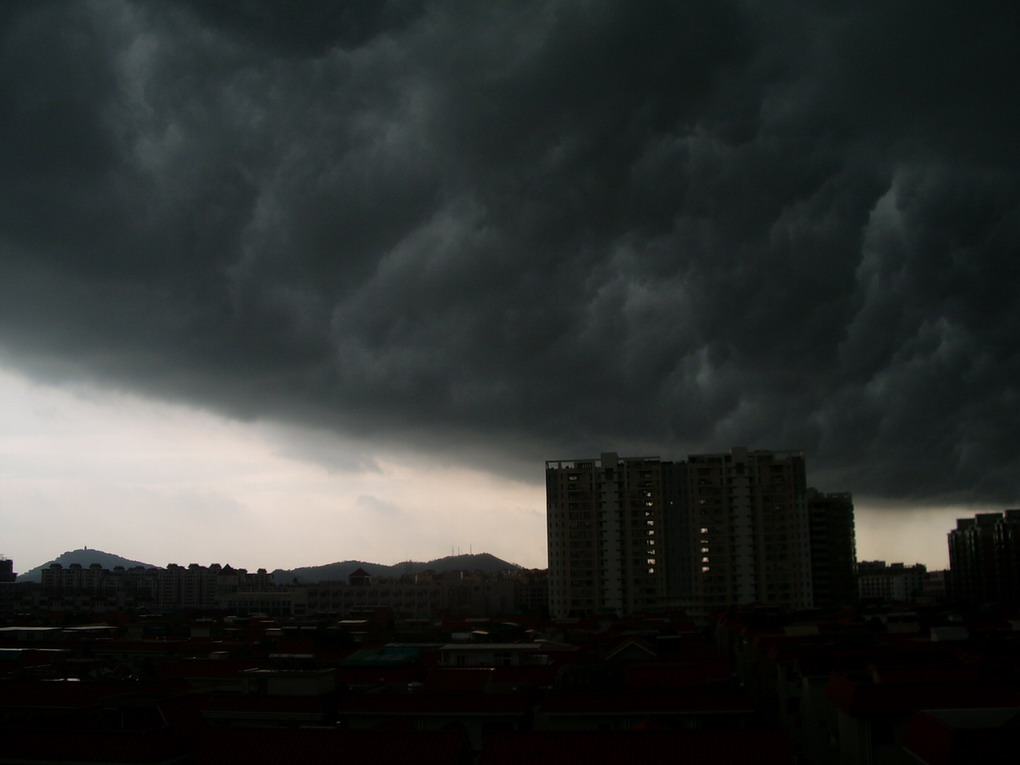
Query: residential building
point(7, 579)
point(934, 588)
point(7, 575)
point(606, 533)
point(97, 590)
point(175, 587)
point(748, 523)
point(984, 558)
point(429, 593)
point(895, 581)
point(833, 548)
point(631, 534)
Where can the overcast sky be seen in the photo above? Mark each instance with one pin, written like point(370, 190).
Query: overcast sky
point(287, 283)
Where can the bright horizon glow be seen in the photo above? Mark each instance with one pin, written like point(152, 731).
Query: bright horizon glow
point(167, 483)
point(163, 483)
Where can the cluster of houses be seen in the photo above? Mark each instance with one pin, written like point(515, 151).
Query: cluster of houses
point(760, 685)
point(97, 590)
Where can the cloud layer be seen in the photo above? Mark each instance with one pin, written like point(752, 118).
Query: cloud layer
point(533, 230)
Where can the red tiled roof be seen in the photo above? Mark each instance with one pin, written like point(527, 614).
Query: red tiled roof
point(252, 702)
point(826, 662)
point(537, 676)
point(253, 746)
point(426, 704)
point(207, 668)
point(77, 695)
point(631, 649)
point(862, 698)
point(372, 676)
point(927, 674)
point(466, 680)
point(109, 746)
point(631, 704)
point(675, 674)
point(948, 737)
point(761, 747)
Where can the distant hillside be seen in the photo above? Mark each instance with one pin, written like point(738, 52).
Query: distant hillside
point(334, 572)
point(86, 558)
point(331, 572)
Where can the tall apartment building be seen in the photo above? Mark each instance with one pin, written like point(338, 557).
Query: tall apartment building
point(984, 558)
point(876, 580)
point(7, 575)
point(7, 579)
point(748, 520)
point(606, 524)
point(833, 548)
point(702, 534)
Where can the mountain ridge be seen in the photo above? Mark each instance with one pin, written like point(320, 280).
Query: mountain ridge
point(84, 557)
point(339, 570)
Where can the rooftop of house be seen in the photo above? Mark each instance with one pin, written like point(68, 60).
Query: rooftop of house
point(649, 747)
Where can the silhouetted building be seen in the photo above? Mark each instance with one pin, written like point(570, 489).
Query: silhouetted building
point(7, 575)
point(895, 581)
point(935, 587)
point(833, 548)
point(359, 578)
point(717, 530)
point(606, 526)
point(748, 520)
point(94, 588)
point(7, 579)
point(984, 558)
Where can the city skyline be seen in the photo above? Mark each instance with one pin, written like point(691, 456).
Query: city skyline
point(283, 283)
point(153, 431)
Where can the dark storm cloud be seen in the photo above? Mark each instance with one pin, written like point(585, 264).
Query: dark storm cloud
point(547, 228)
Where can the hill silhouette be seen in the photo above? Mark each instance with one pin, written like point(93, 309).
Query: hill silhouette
point(329, 572)
point(85, 557)
point(333, 572)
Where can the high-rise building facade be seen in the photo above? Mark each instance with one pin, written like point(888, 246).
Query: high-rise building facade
point(606, 533)
point(703, 534)
point(833, 548)
point(984, 558)
point(7, 579)
point(748, 519)
point(7, 575)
